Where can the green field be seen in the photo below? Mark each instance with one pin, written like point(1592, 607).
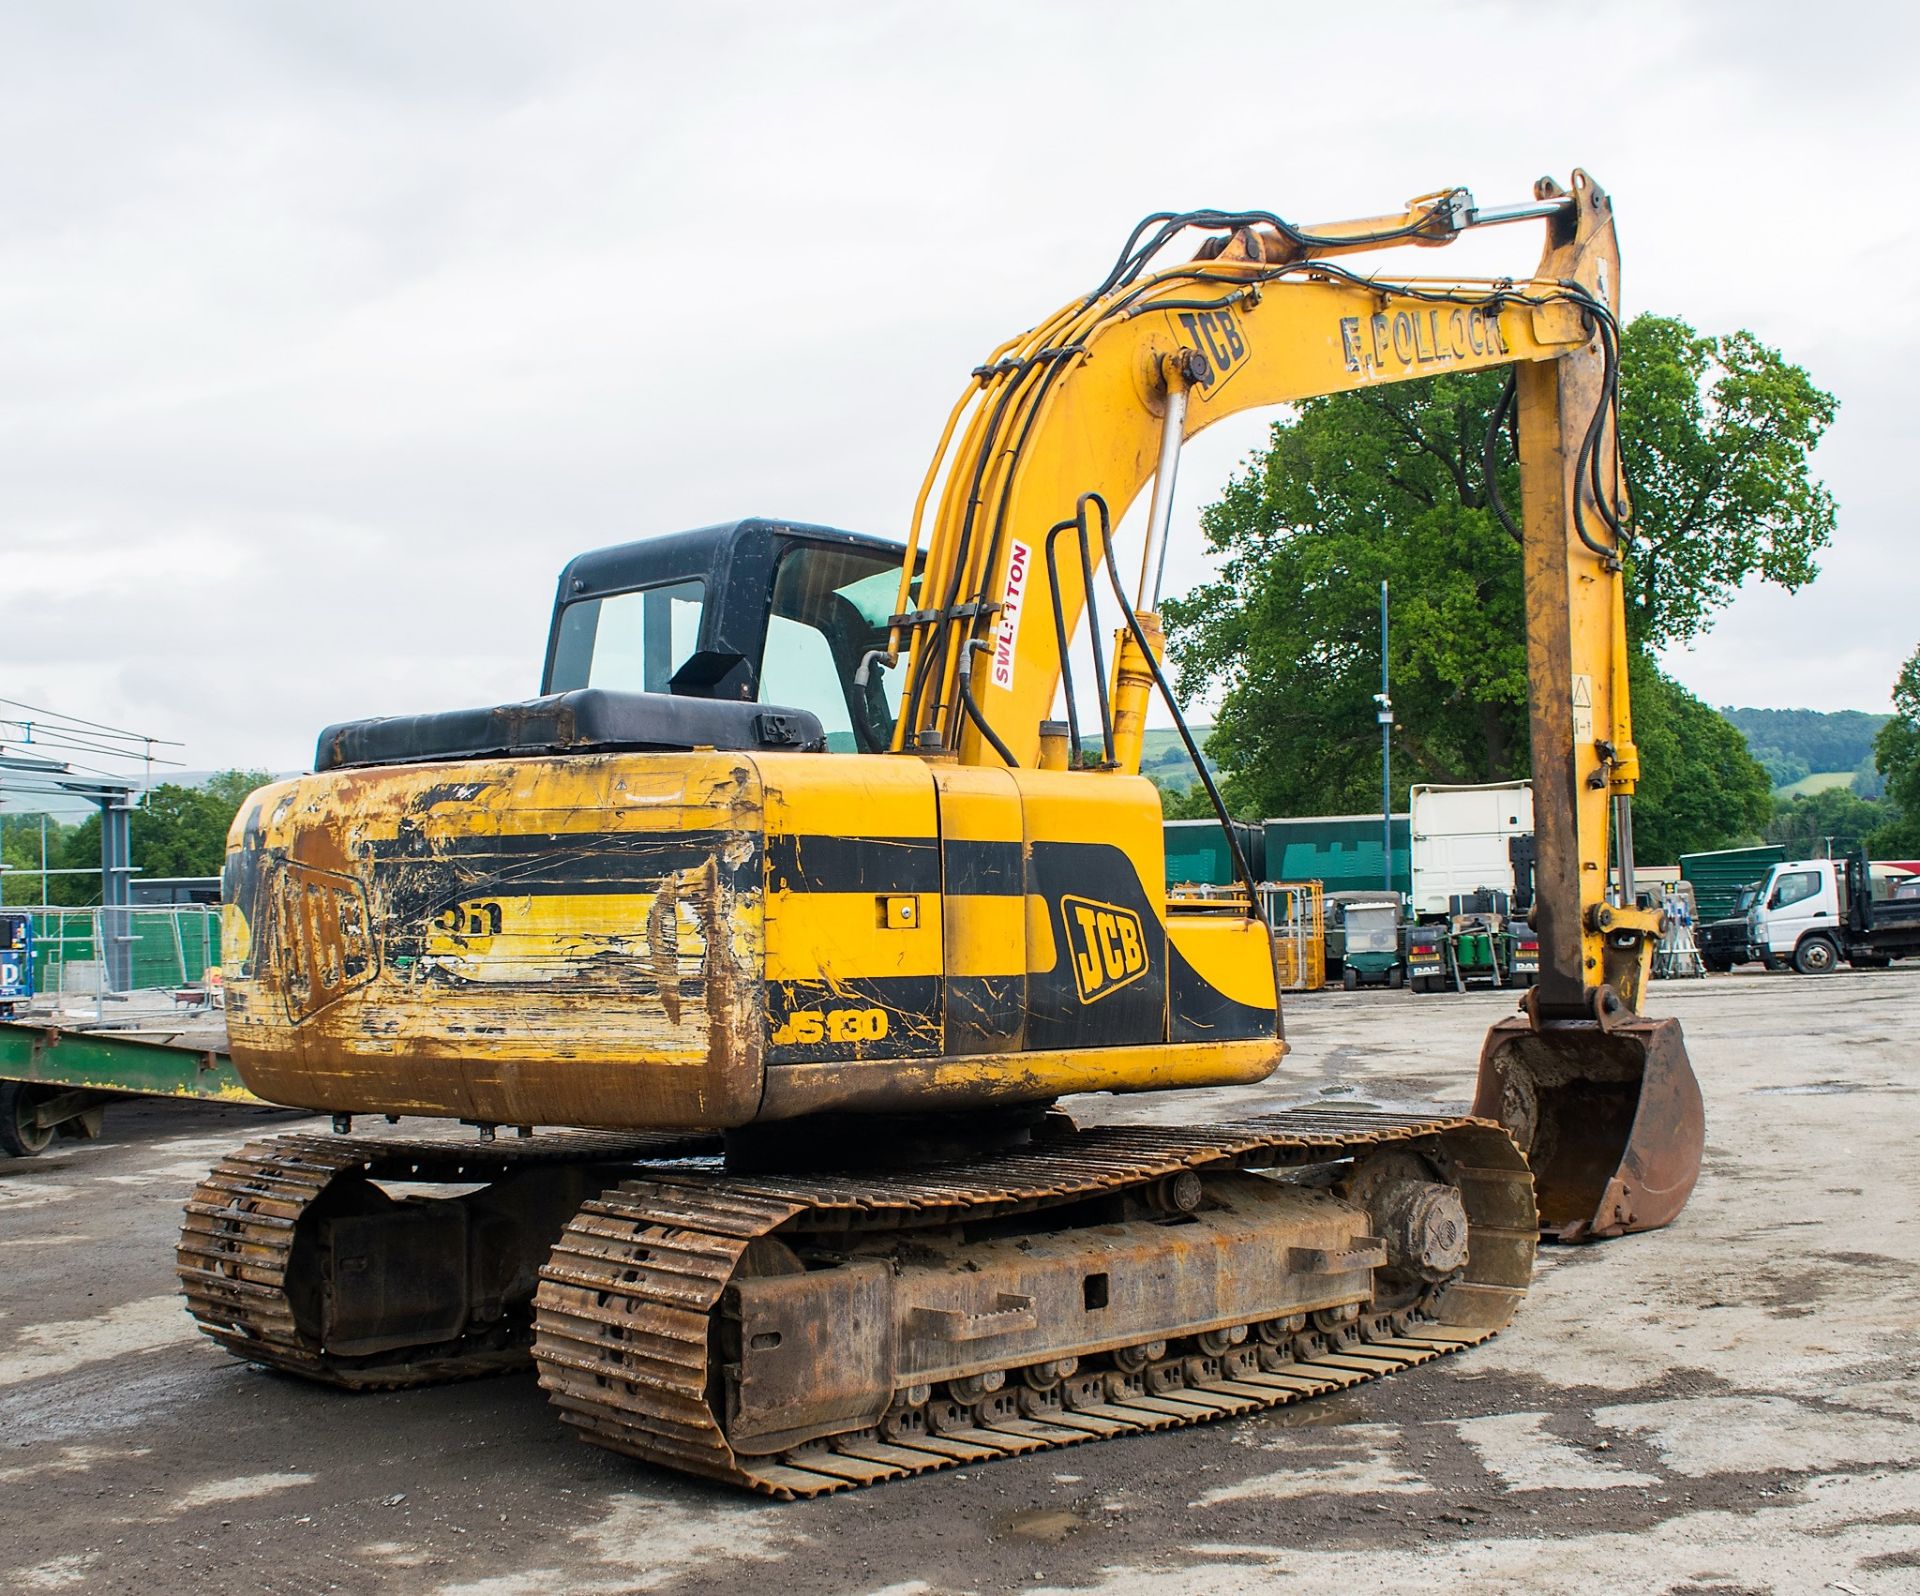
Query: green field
point(1819, 781)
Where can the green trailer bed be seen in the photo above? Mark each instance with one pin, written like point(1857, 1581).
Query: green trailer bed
point(56, 1080)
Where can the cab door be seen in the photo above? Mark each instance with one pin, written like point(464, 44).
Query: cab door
point(1797, 902)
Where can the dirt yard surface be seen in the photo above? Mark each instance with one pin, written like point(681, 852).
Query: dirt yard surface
point(1729, 1406)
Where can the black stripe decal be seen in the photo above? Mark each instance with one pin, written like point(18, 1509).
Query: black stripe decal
point(985, 1013)
point(984, 869)
point(1200, 1012)
point(852, 864)
point(911, 1004)
point(499, 851)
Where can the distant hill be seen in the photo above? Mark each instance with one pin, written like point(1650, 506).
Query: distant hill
point(1795, 744)
point(1819, 781)
point(1164, 757)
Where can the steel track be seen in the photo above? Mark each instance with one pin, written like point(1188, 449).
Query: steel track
point(239, 1252)
point(624, 1331)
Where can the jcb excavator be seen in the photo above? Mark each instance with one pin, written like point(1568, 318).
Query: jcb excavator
point(794, 905)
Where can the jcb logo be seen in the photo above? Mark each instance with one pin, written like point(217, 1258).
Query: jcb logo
point(1107, 944)
point(1218, 336)
point(322, 936)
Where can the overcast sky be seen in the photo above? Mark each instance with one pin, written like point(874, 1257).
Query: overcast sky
point(331, 330)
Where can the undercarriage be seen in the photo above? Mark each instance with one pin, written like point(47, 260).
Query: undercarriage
point(801, 1333)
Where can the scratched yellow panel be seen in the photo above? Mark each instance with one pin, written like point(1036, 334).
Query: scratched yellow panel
point(838, 936)
point(986, 931)
point(478, 939)
point(848, 795)
point(1043, 952)
point(978, 804)
point(500, 938)
point(1234, 955)
point(989, 938)
point(534, 797)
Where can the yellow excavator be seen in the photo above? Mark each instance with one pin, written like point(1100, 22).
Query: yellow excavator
point(794, 904)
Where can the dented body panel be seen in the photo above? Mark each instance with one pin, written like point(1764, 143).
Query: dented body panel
point(570, 941)
point(697, 941)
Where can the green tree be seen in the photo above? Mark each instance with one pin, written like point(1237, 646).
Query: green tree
point(1814, 824)
point(1806, 740)
point(1386, 484)
point(1716, 433)
point(176, 831)
point(1188, 803)
point(20, 852)
point(1783, 770)
point(1896, 751)
point(1700, 787)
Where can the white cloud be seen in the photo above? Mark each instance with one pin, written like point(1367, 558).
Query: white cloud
point(332, 332)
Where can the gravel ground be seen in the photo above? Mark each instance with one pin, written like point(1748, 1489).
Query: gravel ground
point(1728, 1406)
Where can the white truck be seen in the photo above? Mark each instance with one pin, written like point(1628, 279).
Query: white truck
point(1472, 863)
point(1812, 913)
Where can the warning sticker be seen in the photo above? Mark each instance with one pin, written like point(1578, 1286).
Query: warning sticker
point(1583, 709)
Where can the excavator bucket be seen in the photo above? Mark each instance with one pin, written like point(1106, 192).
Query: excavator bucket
point(1609, 1117)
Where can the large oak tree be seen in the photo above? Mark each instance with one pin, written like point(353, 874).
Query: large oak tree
point(1387, 484)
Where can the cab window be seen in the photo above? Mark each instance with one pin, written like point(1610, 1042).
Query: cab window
point(829, 612)
point(1795, 886)
point(630, 642)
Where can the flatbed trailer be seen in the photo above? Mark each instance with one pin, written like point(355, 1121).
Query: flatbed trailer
point(57, 1080)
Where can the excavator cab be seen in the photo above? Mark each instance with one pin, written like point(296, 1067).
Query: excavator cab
point(775, 612)
point(749, 635)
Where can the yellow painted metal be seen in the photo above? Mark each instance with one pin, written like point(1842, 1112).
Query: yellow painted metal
point(1581, 729)
point(1133, 689)
point(1235, 950)
point(1097, 426)
point(1077, 406)
point(698, 929)
point(1029, 1076)
point(373, 977)
point(665, 898)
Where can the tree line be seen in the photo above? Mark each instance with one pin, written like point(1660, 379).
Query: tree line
point(176, 831)
point(1389, 484)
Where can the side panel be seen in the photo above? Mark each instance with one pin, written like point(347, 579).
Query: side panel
point(983, 868)
point(568, 940)
point(1225, 986)
point(1097, 941)
point(853, 922)
point(1085, 932)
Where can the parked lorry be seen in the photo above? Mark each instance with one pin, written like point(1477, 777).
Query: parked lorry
point(1723, 943)
point(1199, 855)
point(1812, 913)
point(1341, 852)
point(1719, 877)
point(1725, 883)
point(1472, 874)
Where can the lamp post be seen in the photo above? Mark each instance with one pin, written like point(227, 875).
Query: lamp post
point(1386, 754)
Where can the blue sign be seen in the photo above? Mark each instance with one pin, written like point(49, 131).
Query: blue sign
point(16, 958)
